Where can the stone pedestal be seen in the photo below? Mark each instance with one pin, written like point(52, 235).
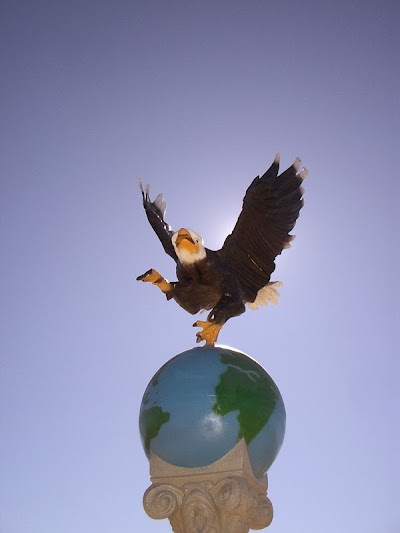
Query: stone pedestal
point(224, 497)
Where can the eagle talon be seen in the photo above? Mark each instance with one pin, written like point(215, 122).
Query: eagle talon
point(210, 332)
point(154, 277)
point(149, 276)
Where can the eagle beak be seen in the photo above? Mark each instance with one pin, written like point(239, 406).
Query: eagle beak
point(183, 234)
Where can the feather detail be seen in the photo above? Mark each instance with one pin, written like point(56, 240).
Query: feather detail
point(268, 294)
point(155, 212)
point(160, 203)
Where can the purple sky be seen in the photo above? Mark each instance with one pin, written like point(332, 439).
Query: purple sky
point(195, 98)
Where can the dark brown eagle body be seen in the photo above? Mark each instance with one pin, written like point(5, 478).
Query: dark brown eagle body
point(239, 273)
point(208, 284)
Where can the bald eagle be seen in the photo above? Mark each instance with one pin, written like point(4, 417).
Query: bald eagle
point(223, 282)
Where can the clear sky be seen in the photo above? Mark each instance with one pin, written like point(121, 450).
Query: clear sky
point(195, 98)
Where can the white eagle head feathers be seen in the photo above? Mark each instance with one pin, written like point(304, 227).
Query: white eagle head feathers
point(188, 246)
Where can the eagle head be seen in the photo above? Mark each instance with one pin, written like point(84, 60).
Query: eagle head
point(188, 246)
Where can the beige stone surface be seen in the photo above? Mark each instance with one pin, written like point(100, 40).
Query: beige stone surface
point(223, 497)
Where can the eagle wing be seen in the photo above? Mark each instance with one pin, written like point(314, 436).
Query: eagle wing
point(271, 207)
point(155, 212)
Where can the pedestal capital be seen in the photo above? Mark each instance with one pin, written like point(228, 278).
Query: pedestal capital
point(221, 497)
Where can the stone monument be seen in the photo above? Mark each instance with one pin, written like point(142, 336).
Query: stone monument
point(212, 422)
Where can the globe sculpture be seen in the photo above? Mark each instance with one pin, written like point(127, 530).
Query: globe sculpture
point(202, 402)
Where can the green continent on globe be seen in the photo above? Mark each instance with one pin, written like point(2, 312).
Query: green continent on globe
point(151, 420)
point(245, 390)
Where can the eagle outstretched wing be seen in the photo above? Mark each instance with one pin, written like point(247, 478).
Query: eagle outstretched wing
point(271, 207)
point(155, 212)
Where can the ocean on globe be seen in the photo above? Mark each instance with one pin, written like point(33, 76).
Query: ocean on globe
point(202, 402)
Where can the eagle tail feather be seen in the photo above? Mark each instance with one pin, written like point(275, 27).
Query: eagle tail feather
point(267, 294)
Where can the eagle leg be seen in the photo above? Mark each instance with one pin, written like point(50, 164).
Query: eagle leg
point(228, 307)
point(210, 331)
point(152, 276)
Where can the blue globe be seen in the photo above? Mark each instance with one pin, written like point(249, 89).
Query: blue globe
point(203, 401)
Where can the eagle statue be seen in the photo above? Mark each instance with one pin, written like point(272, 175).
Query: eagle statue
point(224, 281)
